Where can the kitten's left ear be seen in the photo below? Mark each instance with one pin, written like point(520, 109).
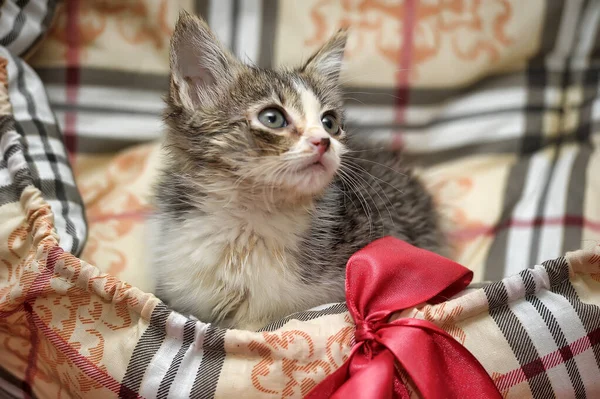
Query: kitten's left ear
point(327, 61)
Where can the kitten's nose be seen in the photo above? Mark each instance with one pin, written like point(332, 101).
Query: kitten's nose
point(321, 143)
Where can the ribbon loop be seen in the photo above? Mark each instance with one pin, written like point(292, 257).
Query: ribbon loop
point(385, 277)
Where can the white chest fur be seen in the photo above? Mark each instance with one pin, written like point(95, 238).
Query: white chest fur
point(234, 267)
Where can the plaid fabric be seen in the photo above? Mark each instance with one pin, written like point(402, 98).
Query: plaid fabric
point(45, 164)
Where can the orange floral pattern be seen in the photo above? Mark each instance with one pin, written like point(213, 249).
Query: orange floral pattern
point(114, 210)
point(132, 19)
point(278, 353)
point(459, 25)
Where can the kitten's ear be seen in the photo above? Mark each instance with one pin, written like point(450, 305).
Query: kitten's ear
point(199, 62)
point(327, 61)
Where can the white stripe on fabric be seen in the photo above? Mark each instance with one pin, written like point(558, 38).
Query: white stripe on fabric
point(566, 35)
point(35, 12)
point(494, 100)
point(184, 380)
point(162, 359)
point(220, 19)
point(540, 336)
point(519, 237)
point(115, 126)
point(7, 17)
point(551, 236)
point(110, 98)
point(565, 315)
point(455, 134)
point(248, 30)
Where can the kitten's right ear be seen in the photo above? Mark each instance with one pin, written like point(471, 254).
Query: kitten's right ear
point(199, 62)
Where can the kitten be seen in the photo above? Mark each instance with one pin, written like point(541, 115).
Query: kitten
point(263, 197)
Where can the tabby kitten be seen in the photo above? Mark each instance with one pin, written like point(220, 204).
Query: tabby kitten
point(263, 196)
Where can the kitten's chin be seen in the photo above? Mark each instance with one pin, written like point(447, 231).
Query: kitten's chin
point(313, 178)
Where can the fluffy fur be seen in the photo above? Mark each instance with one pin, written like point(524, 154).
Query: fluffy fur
point(254, 223)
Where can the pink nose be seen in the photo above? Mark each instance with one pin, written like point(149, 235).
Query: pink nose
point(321, 144)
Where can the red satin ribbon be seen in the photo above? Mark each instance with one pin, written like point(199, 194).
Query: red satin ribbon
point(385, 277)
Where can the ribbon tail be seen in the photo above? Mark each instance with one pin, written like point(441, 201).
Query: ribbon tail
point(443, 367)
point(376, 380)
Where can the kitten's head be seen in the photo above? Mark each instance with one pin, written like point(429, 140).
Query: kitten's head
point(253, 127)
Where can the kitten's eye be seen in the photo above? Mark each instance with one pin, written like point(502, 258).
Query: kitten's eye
point(272, 118)
point(330, 124)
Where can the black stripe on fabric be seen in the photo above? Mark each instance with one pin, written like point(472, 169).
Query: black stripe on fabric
point(17, 26)
point(19, 385)
point(306, 316)
point(59, 186)
point(189, 331)
point(496, 258)
point(9, 152)
point(557, 334)
point(268, 27)
point(12, 192)
point(235, 14)
point(508, 146)
point(589, 314)
point(519, 341)
point(28, 128)
point(207, 376)
point(528, 282)
point(107, 109)
point(145, 349)
point(7, 124)
point(577, 185)
point(202, 8)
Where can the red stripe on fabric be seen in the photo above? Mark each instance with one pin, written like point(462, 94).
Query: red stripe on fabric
point(37, 324)
point(545, 363)
point(72, 77)
point(42, 279)
point(568, 221)
point(408, 21)
point(33, 354)
point(83, 363)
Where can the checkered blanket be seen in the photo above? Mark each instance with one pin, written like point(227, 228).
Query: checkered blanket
point(496, 102)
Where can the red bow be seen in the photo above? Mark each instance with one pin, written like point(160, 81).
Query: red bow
point(387, 276)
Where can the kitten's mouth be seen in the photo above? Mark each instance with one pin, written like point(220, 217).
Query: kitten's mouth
point(315, 166)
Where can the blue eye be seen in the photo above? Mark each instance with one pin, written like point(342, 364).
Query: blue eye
point(272, 118)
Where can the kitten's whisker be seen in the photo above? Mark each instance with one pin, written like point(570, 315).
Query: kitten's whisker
point(351, 167)
point(357, 176)
point(353, 185)
point(348, 162)
point(378, 163)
